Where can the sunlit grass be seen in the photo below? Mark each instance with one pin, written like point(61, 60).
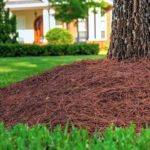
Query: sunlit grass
point(104, 52)
point(25, 64)
point(16, 69)
point(6, 70)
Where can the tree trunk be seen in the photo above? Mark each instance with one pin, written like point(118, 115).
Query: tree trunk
point(130, 29)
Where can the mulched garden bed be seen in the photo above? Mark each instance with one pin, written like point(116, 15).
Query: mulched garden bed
point(90, 94)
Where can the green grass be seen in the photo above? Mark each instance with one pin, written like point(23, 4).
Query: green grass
point(39, 137)
point(16, 69)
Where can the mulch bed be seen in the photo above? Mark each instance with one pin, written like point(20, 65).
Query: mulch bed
point(90, 94)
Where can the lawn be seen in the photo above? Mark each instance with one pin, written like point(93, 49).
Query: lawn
point(16, 69)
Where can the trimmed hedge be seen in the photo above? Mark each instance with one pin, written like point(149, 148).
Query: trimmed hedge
point(39, 137)
point(18, 50)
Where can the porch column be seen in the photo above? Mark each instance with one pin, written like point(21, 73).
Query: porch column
point(98, 24)
point(45, 23)
point(52, 20)
point(91, 26)
point(94, 24)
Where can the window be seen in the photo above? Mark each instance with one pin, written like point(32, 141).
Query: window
point(82, 36)
point(82, 25)
point(21, 22)
point(103, 34)
point(82, 30)
point(103, 26)
point(59, 24)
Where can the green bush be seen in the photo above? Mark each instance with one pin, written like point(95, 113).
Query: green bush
point(59, 36)
point(21, 137)
point(83, 49)
point(18, 50)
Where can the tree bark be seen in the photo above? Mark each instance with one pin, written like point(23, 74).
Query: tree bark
point(130, 29)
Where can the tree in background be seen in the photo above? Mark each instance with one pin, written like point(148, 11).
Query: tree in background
point(8, 32)
point(130, 29)
point(70, 10)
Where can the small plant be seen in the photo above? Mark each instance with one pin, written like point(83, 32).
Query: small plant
point(59, 36)
point(39, 137)
point(106, 47)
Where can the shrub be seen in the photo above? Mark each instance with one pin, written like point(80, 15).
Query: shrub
point(39, 137)
point(59, 36)
point(83, 49)
point(16, 50)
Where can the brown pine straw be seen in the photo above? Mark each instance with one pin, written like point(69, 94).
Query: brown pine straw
point(89, 94)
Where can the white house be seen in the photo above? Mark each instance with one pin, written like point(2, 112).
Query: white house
point(35, 18)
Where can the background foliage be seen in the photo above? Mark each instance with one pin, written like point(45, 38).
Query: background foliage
point(8, 32)
point(70, 10)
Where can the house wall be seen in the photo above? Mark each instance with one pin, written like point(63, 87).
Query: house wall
point(25, 12)
point(25, 24)
point(26, 18)
point(109, 21)
point(72, 29)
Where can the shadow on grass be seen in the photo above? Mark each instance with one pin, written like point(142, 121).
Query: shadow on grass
point(16, 69)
